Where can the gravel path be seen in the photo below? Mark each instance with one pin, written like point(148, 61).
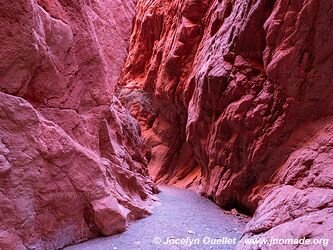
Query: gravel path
point(183, 220)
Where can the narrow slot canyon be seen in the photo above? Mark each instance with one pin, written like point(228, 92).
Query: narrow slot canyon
point(151, 124)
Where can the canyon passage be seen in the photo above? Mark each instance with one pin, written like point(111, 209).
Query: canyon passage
point(110, 110)
point(181, 215)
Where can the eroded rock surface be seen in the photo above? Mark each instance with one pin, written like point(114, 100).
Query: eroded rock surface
point(71, 159)
point(235, 99)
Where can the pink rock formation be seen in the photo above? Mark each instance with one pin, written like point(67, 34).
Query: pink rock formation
point(71, 159)
point(235, 99)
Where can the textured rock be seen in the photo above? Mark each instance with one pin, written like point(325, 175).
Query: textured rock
point(71, 157)
point(236, 102)
point(109, 216)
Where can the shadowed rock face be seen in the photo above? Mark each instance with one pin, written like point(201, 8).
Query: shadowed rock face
point(235, 99)
point(71, 159)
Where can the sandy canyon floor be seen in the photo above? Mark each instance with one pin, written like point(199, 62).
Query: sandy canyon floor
point(181, 215)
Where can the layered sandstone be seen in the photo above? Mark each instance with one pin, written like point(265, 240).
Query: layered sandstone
point(71, 159)
point(235, 99)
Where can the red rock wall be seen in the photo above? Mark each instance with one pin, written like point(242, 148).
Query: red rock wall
point(235, 99)
point(71, 159)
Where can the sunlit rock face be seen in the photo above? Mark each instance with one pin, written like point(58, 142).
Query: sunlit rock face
point(71, 158)
point(234, 99)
